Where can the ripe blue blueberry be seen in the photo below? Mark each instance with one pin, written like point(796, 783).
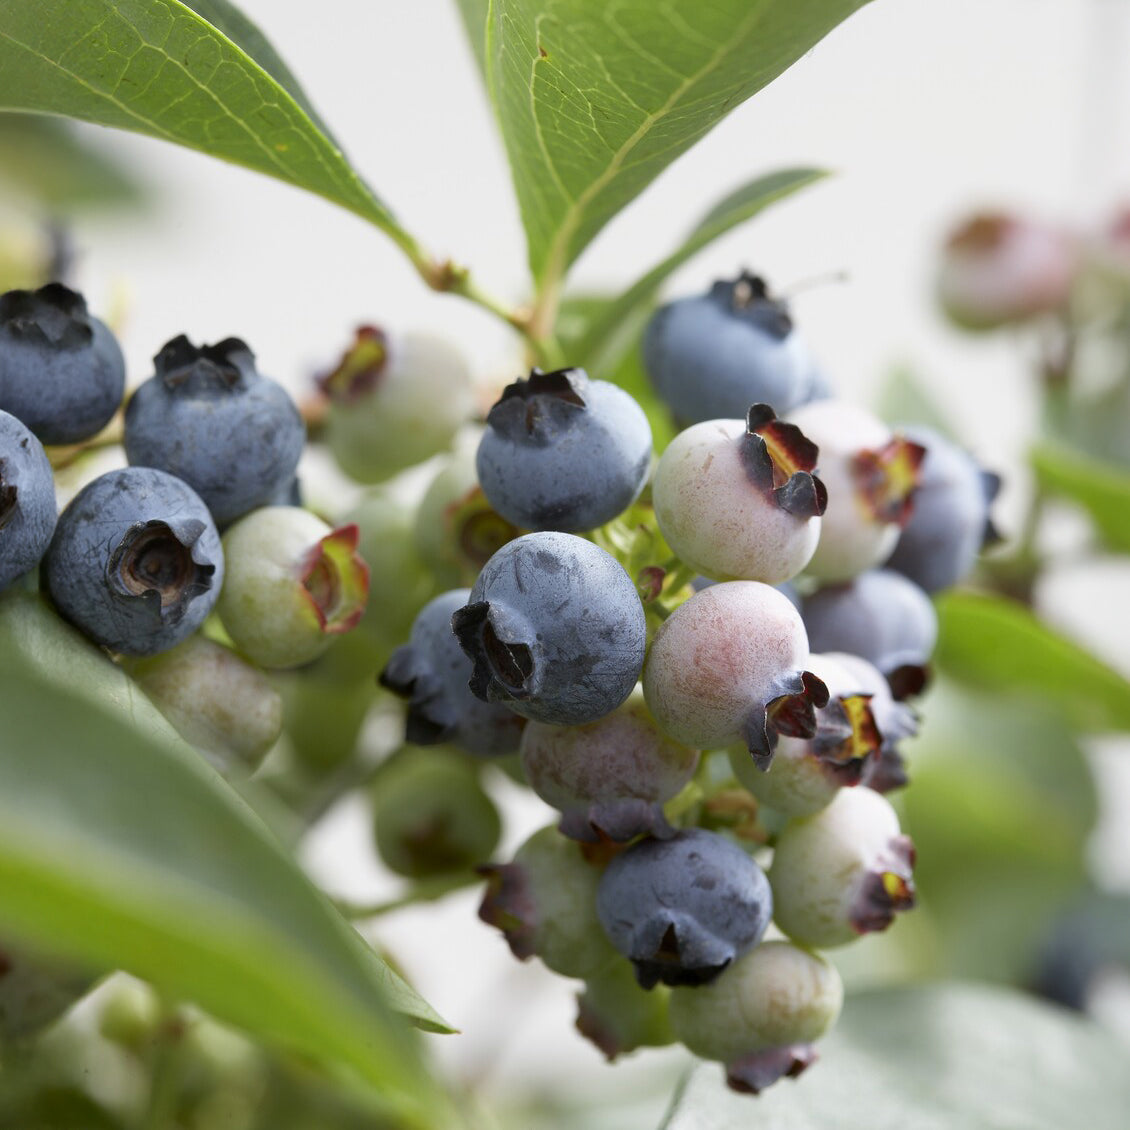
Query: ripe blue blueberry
point(432, 672)
point(950, 522)
point(61, 370)
point(135, 562)
point(882, 617)
point(27, 500)
point(555, 629)
point(562, 452)
point(209, 418)
point(711, 356)
point(684, 908)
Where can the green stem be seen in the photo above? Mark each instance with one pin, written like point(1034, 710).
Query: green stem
point(425, 890)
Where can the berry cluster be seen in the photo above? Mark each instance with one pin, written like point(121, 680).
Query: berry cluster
point(702, 662)
point(200, 528)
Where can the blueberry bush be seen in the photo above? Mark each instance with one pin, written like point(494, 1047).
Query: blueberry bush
point(755, 655)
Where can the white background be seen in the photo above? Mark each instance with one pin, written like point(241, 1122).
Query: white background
point(924, 110)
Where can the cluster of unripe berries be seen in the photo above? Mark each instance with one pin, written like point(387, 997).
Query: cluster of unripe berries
point(702, 662)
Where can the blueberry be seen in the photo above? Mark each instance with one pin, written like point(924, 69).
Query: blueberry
point(761, 1016)
point(135, 562)
point(842, 872)
point(728, 666)
point(882, 617)
point(27, 500)
point(711, 356)
point(950, 522)
point(431, 815)
point(544, 902)
point(609, 778)
point(292, 585)
point(562, 452)
point(870, 474)
point(737, 500)
point(394, 401)
point(555, 629)
point(684, 908)
point(61, 370)
point(208, 417)
point(618, 1015)
point(432, 672)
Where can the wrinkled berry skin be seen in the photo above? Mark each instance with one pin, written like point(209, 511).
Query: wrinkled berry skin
point(61, 369)
point(882, 617)
point(950, 522)
point(208, 417)
point(27, 500)
point(555, 629)
point(684, 908)
point(562, 452)
point(711, 356)
point(432, 672)
point(135, 562)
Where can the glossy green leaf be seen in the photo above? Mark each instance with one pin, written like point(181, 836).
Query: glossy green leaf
point(939, 1057)
point(616, 327)
point(156, 67)
point(596, 99)
point(1102, 489)
point(122, 850)
point(1001, 808)
point(43, 162)
point(997, 644)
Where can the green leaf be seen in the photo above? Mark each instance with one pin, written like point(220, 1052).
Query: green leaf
point(43, 161)
point(939, 1057)
point(475, 14)
point(1102, 489)
point(156, 67)
point(1001, 808)
point(617, 326)
point(999, 645)
point(121, 850)
point(596, 99)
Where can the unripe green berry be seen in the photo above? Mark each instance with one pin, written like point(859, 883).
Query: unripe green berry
point(217, 701)
point(431, 815)
point(617, 1015)
point(544, 902)
point(292, 583)
point(760, 1016)
point(843, 872)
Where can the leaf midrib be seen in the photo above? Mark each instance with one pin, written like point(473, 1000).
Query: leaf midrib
point(555, 261)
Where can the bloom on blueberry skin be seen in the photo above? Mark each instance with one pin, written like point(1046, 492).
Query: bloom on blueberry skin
point(292, 584)
point(711, 356)
point(555, 629)
point(27, 500)
point(432, 672)
point(136, 561)
point(208, 417)
point(61, 369)
point(682, 909)
point(563, 452)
